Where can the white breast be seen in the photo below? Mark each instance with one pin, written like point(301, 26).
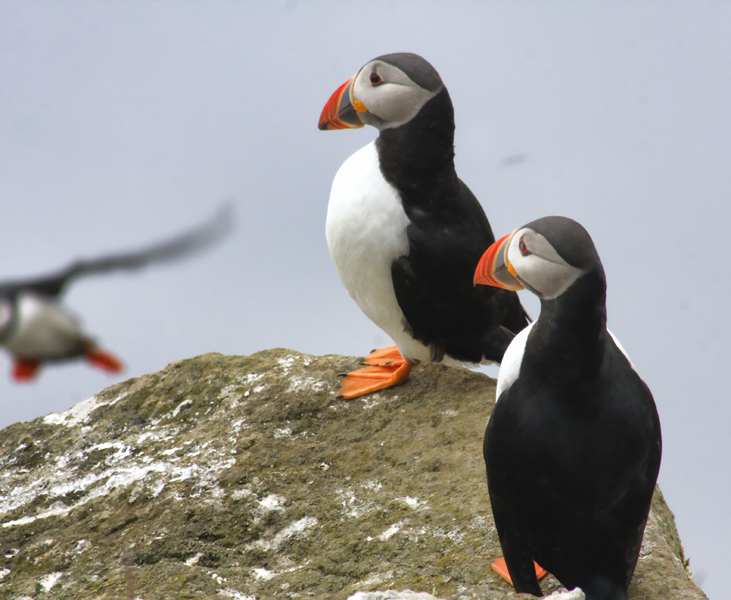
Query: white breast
point(621, 348)
point(43, 329)
point(513, 358)
point(366, 232)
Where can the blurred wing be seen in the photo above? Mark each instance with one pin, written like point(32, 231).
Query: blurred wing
point(178, 247)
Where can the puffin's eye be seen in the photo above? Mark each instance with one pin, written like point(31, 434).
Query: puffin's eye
point(376, 79)
point(523, 248)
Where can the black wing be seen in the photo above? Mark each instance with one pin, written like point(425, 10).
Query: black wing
point(505, 499)
point(433, 283)
point(172, 249)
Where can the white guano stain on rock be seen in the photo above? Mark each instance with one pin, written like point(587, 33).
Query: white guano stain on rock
point(218, 579)
point(393, 595)
point(309, 384)
point(355, 506)
point(646, 549)
point(284, 432)
point(193, 560)
point(369, 403)
point(261, 573)
point(391, 531)
point(455, 534)
point(286, 362)
point(244, 492)
point(81, 546)
point(413, 503)
point(79, 413)
point(229, 593)
point(48, 581)
point(182, 406)
point(373, 485)
point(376, 578)
point(120, 463)
point(357, 503)
point(268, 504)
point(295, 529)
point(575, 594)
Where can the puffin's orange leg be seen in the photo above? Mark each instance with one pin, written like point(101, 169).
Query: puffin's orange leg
point(103, 360)
point(383, 356)
point(376, 376)
point(499, 566)
point(25, 369)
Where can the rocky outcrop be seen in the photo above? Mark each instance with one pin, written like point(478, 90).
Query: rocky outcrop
point(244, 477)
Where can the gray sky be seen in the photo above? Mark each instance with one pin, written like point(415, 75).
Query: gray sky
point(125, 122)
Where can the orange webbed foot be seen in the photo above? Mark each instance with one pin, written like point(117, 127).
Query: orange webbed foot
point(25, 369)
point(501, 568)
point(103, 360)
point(386, 368)
point(383, 356)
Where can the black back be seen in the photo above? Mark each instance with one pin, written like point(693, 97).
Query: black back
point(572, 451)
point(447, 236)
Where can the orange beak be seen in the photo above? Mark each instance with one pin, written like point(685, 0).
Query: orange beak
point(494, 267)
point(339, 112)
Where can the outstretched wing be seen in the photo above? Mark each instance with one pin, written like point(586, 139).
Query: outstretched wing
point(182, 245)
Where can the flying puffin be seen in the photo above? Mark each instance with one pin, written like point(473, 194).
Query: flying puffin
point(35, 328)
point(573, 446)
point(405, 233)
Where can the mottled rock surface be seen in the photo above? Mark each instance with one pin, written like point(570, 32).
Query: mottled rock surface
point(244, 477)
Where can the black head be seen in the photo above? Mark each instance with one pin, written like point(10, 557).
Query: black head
point(546, 256)
point(386, 93)
point(569, 239)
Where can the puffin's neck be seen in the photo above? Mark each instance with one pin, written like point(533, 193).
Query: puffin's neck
point(569, 336)
point(420, 153)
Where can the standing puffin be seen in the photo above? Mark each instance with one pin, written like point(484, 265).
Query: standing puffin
point(35, 328)
point(405, 232)
point(573, 446)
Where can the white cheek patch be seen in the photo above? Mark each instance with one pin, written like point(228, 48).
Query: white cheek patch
point(397, 104)
point(542, 268)
point(396, 101)
point(547, 278)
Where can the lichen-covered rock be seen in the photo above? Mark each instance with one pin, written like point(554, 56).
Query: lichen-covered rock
point(244, 477)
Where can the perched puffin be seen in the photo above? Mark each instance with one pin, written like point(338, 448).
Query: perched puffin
point(405, 233)
point(573, 446)
point(35, 328)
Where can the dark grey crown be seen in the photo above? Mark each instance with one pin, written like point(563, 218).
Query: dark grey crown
point(569, 238)
point(418, 69)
